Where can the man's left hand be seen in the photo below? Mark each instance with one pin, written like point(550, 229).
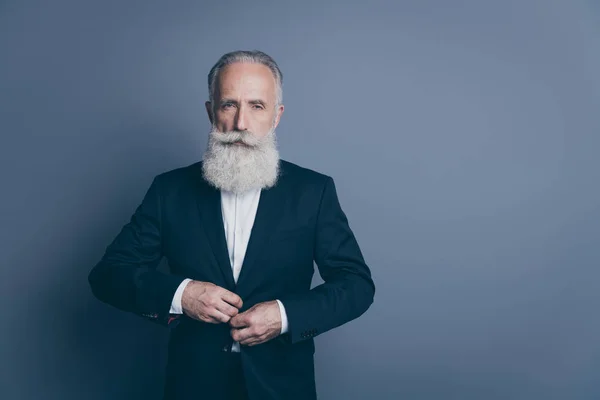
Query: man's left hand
point(258, 324)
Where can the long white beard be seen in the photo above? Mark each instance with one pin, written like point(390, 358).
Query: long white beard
point(238, 168)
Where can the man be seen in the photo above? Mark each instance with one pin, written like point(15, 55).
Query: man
point(240, 230)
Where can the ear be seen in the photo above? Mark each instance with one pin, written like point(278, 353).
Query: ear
point(278, 115)
point(209, 111)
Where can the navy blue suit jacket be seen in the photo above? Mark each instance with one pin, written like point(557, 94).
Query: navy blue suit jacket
point(299, 221)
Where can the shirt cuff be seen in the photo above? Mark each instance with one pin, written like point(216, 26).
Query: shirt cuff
point(284, 321)
point(176, 303)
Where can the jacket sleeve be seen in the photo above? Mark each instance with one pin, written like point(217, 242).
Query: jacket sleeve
point(126, 277)
point(347, 291)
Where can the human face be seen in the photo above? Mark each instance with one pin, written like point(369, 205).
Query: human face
point(244, 100)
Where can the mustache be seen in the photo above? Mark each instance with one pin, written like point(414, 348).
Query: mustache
point(246, 137)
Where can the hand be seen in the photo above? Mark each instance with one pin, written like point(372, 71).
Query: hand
point(258, 324)
point(210, 303)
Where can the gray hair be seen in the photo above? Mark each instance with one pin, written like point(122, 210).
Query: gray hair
point(254, 56)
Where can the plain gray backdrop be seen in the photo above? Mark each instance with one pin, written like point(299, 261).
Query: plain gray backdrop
point(463, 137)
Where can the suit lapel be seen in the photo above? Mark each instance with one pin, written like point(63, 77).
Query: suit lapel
point(209, 204)
point(270, 207)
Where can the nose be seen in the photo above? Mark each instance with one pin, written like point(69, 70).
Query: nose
point(240, 119)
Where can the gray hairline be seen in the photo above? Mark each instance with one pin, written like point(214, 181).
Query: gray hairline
point(244, 56)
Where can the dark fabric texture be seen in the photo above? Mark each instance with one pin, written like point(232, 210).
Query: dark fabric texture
point(299, 222)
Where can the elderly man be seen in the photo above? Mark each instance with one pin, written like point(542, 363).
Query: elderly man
point(240, 230)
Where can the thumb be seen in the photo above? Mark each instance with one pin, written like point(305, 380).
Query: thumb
point(238, 321)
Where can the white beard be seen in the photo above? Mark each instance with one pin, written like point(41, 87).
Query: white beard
point(238, 168)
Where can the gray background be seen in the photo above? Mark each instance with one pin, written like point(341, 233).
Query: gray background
point(462, 135)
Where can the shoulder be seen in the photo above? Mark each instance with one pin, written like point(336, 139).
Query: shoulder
point(180, 180)
point(181, 174)
point(302, 175)
point(304, 184)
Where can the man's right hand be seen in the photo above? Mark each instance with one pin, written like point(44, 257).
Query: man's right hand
point(210, 303)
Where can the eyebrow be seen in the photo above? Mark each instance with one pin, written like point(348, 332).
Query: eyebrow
point(255, 101)
point(262, 103)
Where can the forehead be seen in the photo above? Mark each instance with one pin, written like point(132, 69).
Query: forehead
point(246, 80)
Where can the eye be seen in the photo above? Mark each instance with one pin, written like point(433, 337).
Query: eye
point(227, 105)
point(258, 107)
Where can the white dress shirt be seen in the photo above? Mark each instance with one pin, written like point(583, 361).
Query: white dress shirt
point(239, 211)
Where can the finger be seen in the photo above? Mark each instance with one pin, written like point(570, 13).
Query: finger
point(254, 337)
point(242, 335)
point(232, 299)
point(207, 318)
point(254, 341)
point(227, 309)
point(219, 316)
point(249, 342)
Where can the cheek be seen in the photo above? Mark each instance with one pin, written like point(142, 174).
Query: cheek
point(223, 122)
point(264, 125)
